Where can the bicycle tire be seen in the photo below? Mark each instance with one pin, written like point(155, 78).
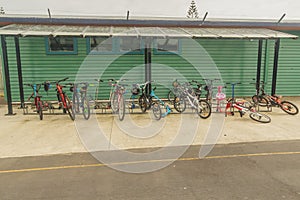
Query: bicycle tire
point(179, 104)
point(289, 108)
point(69, 108)
point(121, 108)
point(260, 100)
point(143, 103)
point(40, 109)
point(156, 111)
point(171, 96)
point(259, 117)
point(85, 108)
point(75, 102)
point(204, 109)
point(114, 102)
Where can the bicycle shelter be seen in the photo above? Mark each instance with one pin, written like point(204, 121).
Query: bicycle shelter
point(159, 31)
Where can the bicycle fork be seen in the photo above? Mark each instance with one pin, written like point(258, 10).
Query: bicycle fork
point(168, 111)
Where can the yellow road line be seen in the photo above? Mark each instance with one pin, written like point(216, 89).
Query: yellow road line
point(252, 155)
point(144, 161)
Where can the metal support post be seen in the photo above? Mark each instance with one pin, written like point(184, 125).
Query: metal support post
point(275, 66)
point(6, 75)
point(19, 65)
point(260, 43)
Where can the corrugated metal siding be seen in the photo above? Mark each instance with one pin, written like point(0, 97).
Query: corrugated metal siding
point(236, 61)
point(288, 74)
point(38, 67)
point(288, 77)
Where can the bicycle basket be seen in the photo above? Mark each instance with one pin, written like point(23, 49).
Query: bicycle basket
point(47, 86)
point(135, 89)
point(175, 84)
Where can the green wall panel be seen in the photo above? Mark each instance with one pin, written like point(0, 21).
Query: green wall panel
point(236, 60)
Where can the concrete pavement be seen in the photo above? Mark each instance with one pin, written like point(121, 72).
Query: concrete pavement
point(25, 135)
point(264, 170)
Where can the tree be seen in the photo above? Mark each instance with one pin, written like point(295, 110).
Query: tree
point(2, 12)
point(192, 11)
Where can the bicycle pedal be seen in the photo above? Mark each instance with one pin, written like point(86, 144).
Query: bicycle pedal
point(241, 113)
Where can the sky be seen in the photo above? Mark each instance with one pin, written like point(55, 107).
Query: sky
point(255, 9)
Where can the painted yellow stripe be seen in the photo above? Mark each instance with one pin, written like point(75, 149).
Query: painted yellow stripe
point(252, 155)
point(145, 161)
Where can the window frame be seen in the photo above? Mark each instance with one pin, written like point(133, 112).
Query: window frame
point(179, 47)
point(49, 52)
point(142, 47)
point(90, 51)
point(116, 47)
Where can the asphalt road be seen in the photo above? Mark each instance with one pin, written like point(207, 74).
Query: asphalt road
point(265, 170)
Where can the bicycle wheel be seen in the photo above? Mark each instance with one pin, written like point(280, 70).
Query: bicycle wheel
point(156, 111)
point(75, 102)
point(114, 102)
point(85, 108)
point(121, 110)
point(260, 100)
point(289, 108)
point(259, 117)
point(69, 108)
point(204, 109)
point(40, 109)
point(143, 103)
point(179, 104)
point(171, 96)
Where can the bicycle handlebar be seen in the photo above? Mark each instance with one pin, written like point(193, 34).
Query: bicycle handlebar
point(56, 82)
point(98, 80)
point(197, 83)
point(234, 83)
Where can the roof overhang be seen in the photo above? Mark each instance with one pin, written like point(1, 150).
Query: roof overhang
point(133, 31)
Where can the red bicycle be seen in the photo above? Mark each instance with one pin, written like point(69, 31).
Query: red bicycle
point(261, 98)
point(244, 107)
point(37, 99)
point(63, 99)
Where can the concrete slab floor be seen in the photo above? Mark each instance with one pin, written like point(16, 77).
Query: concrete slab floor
point(26, 135)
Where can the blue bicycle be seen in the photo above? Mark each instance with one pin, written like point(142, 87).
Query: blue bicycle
point(158, 106)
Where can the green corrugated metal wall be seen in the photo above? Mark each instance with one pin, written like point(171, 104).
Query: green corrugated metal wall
point(288, 77)
point(38, 67)
point(236, 60)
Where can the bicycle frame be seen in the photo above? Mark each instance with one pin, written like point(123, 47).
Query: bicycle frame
point(61, 95)
point(80, 100)
point(202, 107)
point(63, 98)
point(116, 98)
point(168, 109)
point(242, 108)
point(37, 99)
point(265, 100)
point(238, 106)
point(192, 98)
point(35, 94)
